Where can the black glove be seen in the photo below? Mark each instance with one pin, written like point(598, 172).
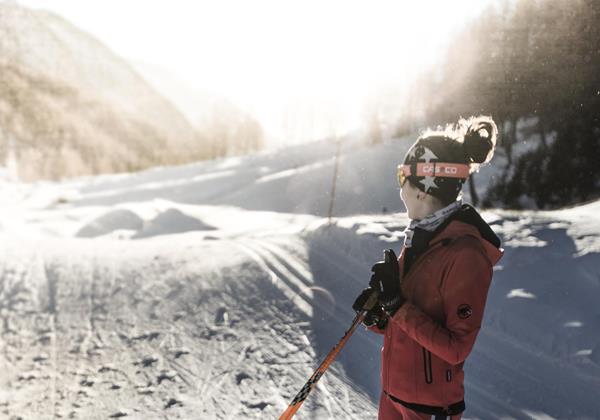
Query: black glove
point(386, 279)
point(375, 315)
point(360, 301)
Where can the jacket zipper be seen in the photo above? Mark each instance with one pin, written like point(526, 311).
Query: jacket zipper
point(387, 357)
point(427, 363)
point(426, 357)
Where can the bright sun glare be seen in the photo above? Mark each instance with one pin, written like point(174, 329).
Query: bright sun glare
point(278, 58)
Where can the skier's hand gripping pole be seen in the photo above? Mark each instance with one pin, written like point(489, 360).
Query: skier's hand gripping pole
point(312, 382)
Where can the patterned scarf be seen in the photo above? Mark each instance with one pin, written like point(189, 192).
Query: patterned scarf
point(430, 222)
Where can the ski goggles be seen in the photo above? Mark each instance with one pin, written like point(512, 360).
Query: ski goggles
point(443, 169)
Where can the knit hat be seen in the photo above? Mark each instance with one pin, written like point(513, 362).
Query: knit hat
point(439, 163)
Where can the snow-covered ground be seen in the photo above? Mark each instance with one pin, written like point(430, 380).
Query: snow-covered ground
point(213, 290)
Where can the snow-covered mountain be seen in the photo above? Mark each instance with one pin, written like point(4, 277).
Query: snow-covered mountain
point(213, 290)
point(72, 106)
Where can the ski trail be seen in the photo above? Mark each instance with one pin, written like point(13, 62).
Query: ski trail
point(52, 308)
point(298, 267)
point(73, 285)
point(327, 398)
point(286, 282)
point(54, 358)
point(28, 309)
point(241, 356)
point(291, 269)
point(111, 348)
point(283, 265)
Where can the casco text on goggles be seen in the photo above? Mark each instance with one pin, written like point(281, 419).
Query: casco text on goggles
point(444, 169)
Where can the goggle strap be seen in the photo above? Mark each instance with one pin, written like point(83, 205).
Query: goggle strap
point(443, 169)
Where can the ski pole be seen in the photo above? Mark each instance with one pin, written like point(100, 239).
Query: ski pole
point(312, 382)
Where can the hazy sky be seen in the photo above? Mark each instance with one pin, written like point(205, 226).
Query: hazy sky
point(273, 56)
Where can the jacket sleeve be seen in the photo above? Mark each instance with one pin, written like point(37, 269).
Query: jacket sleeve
point(464, 293)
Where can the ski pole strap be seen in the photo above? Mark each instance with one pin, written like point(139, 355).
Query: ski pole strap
point(451, 410)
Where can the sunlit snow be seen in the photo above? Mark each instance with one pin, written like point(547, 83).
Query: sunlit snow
point(520, 293)
point(198, 292)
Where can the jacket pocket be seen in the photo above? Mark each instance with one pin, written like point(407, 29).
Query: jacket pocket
point(427, 365)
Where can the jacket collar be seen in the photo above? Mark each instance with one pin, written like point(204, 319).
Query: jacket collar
point(467, 222)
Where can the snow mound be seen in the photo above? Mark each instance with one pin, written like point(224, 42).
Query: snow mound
point(120, 219)
point(125, 223)
point(171, 221)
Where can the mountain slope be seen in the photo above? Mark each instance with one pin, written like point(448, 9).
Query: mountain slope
point(293, 180)
point(66, 96)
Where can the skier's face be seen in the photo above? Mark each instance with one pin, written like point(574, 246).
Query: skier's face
point(417, 208)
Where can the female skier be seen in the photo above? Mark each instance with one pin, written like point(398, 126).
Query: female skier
point(431, 299)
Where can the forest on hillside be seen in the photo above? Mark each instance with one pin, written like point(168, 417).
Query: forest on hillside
point(70, 106)
point(526, 60)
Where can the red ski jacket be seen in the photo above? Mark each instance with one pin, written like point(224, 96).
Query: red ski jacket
point(428, 339)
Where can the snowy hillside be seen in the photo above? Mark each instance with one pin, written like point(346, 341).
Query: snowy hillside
point(213, 290)
point(291, 180)
point(41, 43)
point(68, 102)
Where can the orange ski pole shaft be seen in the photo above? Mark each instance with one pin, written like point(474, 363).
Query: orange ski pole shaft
point(312, 382)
